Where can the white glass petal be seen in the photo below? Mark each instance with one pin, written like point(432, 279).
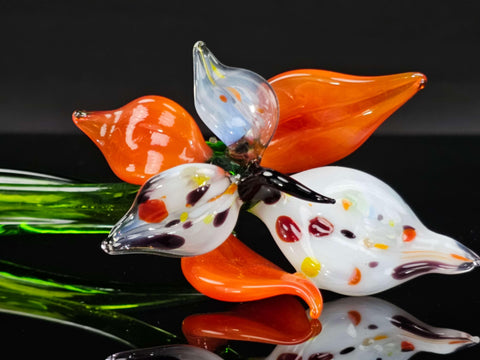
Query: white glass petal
point(187, 210)
point(368, 241)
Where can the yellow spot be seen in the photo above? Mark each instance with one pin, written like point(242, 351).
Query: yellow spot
point(381, 246)
point(346, 204)
point(183, 216)
point(310, 267)
point(208, 219)
point(261, 110)
point(200, 179)
point(216, 71)
point(310, 204)
point(391, 223)
point(380, 337)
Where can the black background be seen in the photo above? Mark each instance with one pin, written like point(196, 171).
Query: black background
point(58, 56)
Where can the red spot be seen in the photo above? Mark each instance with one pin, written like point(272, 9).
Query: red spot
point(223, 98)
point(355, 317)
point(409, 233)
point(355, 277)
point(152, 211)
point(287, 230)
point(319, 226)
point(406, 346)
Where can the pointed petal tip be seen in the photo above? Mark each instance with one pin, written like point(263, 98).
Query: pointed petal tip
point(79, 115)
point(421, 80)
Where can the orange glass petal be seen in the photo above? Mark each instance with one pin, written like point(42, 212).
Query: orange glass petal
point(148, 135)
point(234, 272)
point(325, 116)
point(279, 320)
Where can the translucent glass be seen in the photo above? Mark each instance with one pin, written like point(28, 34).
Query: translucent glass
point(237, 105)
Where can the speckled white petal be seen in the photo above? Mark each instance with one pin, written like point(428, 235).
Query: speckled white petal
point(365, 328)
point(367, 242)
point(184, 211)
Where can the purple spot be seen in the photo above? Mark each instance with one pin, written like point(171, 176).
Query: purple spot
point(348, 234)
point(162, 242)
point(373, 264)
point(187, 224)
point(172, 223)
point(220, 218)
point(415, 268)
point(380, 217)
point(321, 356)
point(373, 327)
point(347, 350)
point(195, 195)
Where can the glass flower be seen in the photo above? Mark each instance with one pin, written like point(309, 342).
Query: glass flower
point(360, 239)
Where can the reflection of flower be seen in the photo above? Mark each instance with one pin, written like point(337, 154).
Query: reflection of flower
point(189, 208)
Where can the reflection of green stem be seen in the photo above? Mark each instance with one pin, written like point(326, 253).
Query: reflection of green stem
point(38, 203)
point(30, 292)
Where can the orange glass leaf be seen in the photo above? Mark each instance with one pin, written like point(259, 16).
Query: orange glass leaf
point(325, 116)
point(148, 135)
point(234, 272)
point(279, 320)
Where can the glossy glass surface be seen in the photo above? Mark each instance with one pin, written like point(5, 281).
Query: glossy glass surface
point(233, 272)
point(325, 116)
point(238, 105)
point(368, 241)
point(144, 137)
point(184, 211)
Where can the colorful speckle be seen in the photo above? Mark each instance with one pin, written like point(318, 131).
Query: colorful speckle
point(172, 223)
point(380, 337)
point(187, 224)
point(220, 218)
point(195, 195)
point(310, 267)
point(373, 264)
point(152, 211)
point(381, 246)
point(407, 346)
point(319, 226)
point(287, 229)
point(354, 317)
point(235, 93)
point(373, 327)
point(223, 98)
point(347, 350)
point(355, 277)
point(183, 216)
point(346, 204)
point(162, 242)
point(391, 223)
point(200, 179)
point(409, 233)
point(321, 356)
point(348, 234)
point(380, 217)
point(459, 257)
point(208, 219)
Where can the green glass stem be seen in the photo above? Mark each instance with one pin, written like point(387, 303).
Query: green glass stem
point(29, 292)
point(36, 203)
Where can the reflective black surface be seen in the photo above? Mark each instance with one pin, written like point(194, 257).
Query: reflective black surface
point(437, 176)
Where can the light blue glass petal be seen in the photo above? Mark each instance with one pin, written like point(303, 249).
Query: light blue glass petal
point(184, 211)
point(237, 105)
